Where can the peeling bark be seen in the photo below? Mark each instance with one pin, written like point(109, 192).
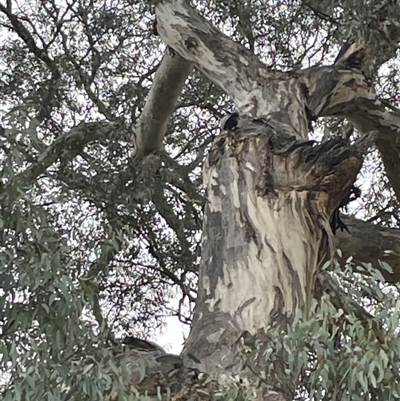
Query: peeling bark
point(266, 231)
point(367, 55)
point(256, 90)
point(378, 46)
point(351, 97)
point(284, 99)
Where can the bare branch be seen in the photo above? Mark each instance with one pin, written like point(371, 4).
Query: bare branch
point(167, 86)
point(41, 54)
point(367, 243)
point(229, 64)
point(350, 95)
point(24, 34)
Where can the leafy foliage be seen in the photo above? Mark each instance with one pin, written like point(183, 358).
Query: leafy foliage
point(94, 247)
point(340, 351)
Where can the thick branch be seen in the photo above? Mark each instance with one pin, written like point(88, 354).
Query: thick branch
point(390, 156)
point(335, 91)
point(216, 55)
point(367, 54)
point(367, 243)
point(233, 68)
point(164, 93)
point(371, 114)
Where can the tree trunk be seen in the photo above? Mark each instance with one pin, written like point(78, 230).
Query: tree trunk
point(266, 231)
point(270, 194)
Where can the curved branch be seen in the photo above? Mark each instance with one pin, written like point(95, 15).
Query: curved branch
point(367, 54)
point(371, 114)
point(344, 92)
point(233, 68)
point(379, 45)
point(225, 62)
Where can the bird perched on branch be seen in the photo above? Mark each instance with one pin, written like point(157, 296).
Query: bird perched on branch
point(230, 122)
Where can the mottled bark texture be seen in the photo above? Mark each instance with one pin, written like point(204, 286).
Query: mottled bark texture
point(255, 89)
point(270, 191)
point(338, 90)
point(266, 231)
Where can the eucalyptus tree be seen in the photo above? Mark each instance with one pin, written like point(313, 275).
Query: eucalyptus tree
point(103, 141)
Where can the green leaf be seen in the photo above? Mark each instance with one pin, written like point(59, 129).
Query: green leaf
point(87, 368)
point(372, 378)
point(385, 266)
point(362, 379)
point(142, 370)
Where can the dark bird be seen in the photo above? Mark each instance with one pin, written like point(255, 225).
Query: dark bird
point(230, 122)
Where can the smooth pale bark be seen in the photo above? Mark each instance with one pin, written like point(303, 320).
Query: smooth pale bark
point(167, 85)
